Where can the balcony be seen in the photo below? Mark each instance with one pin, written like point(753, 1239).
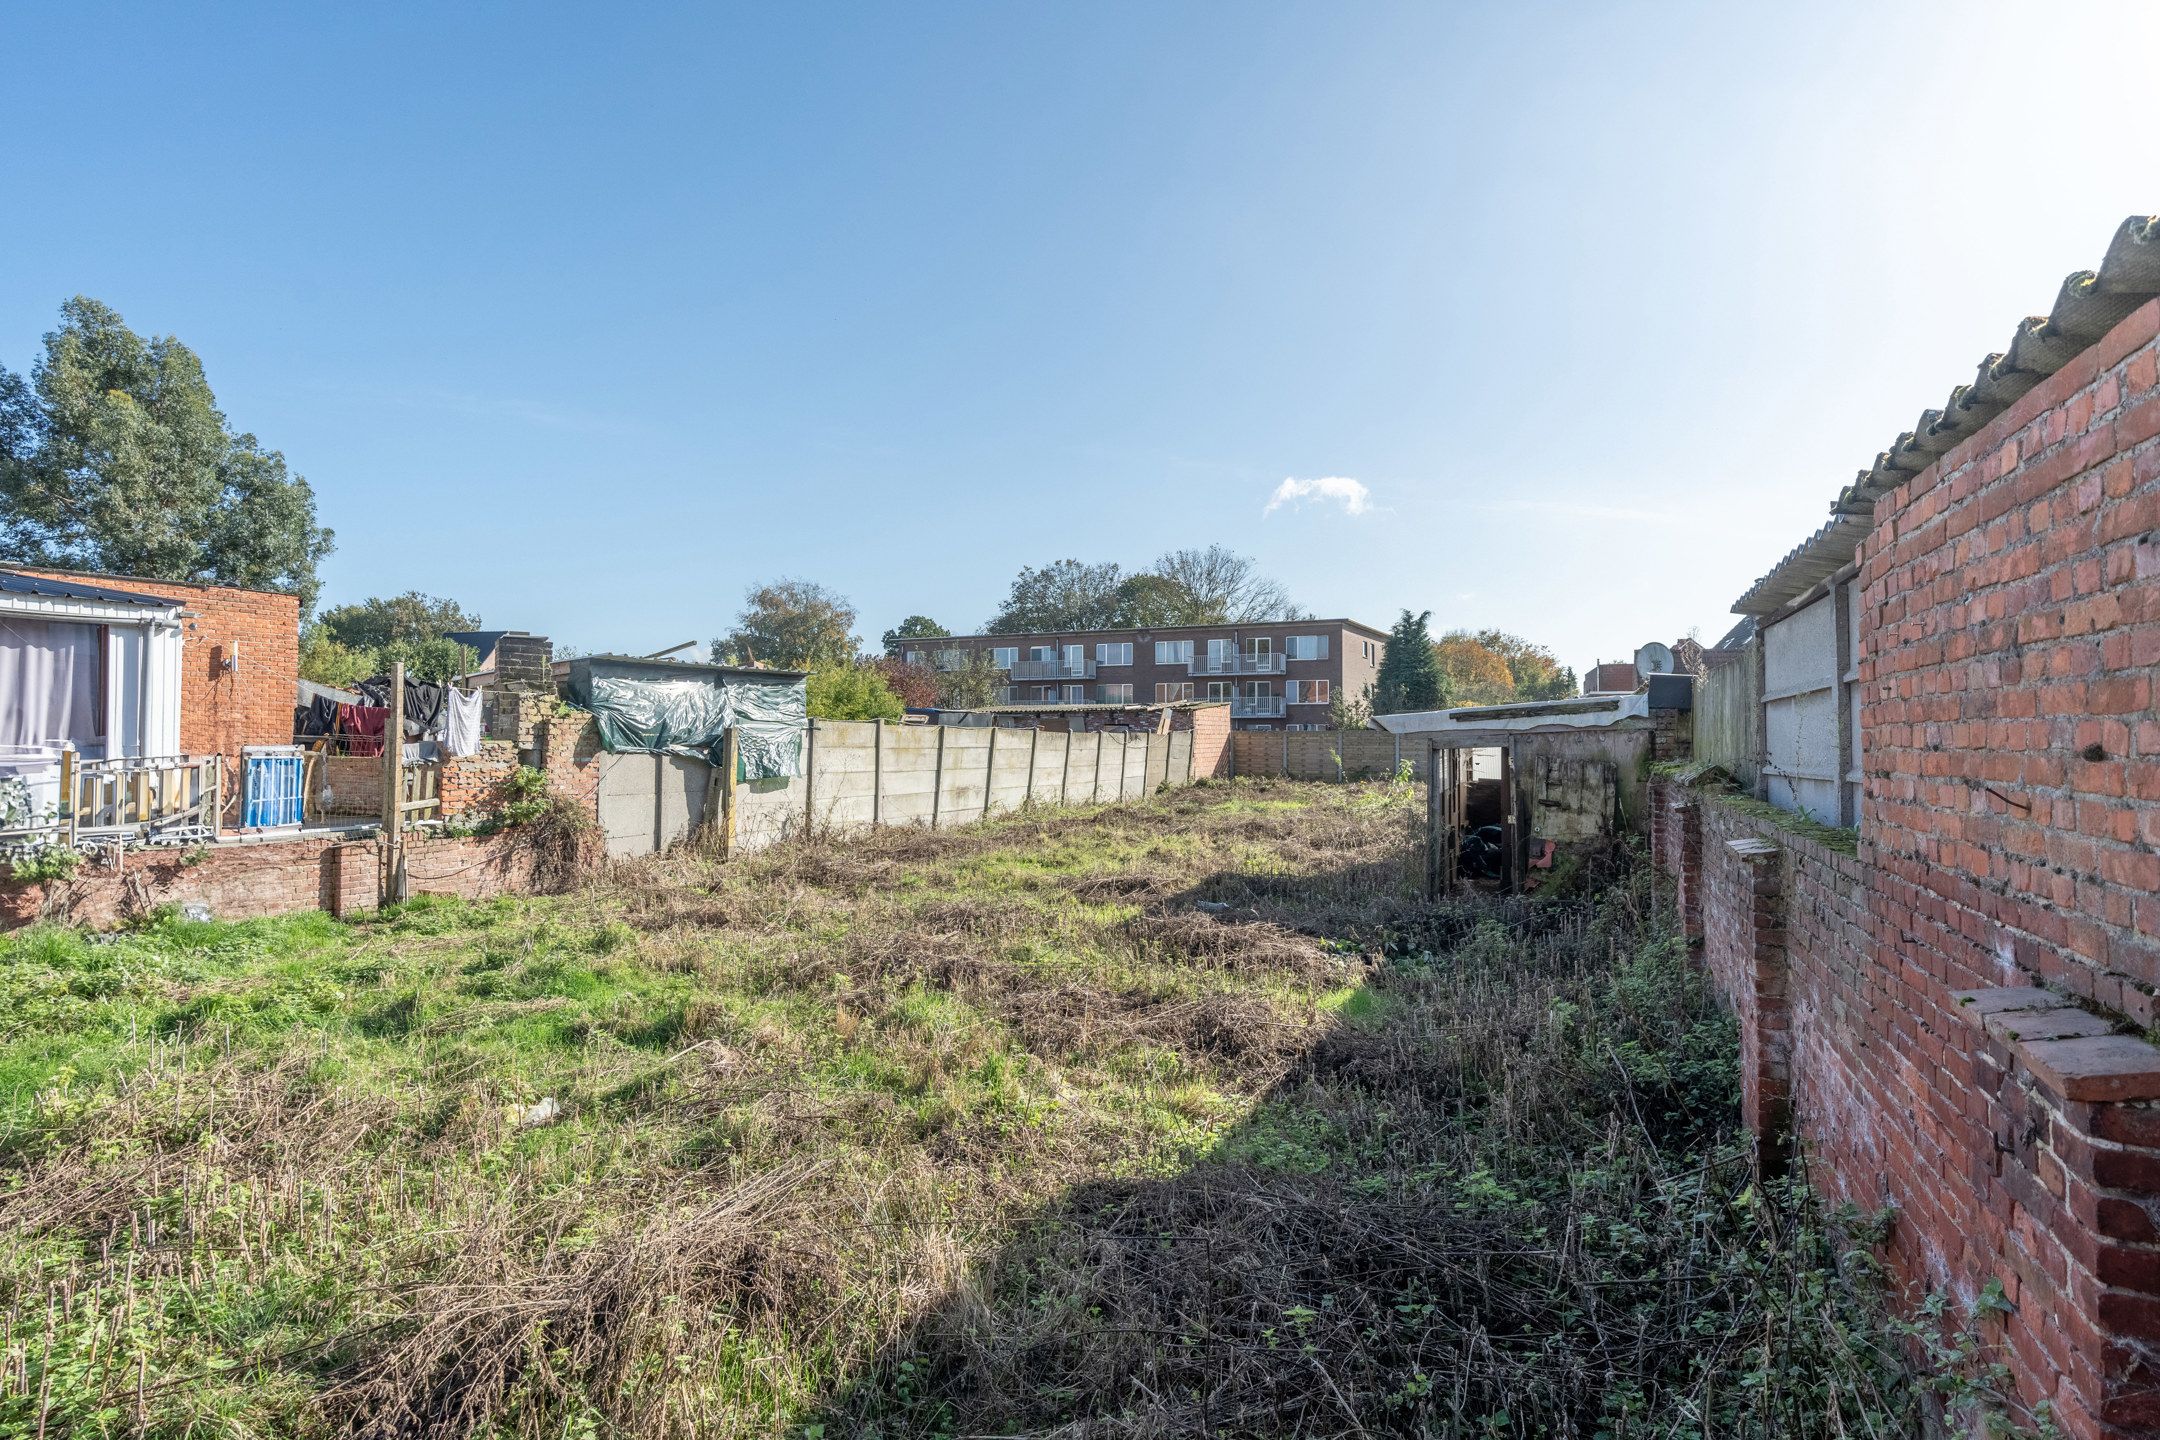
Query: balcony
point(1236, 663)
point(1053, 670)
point(1256, 707)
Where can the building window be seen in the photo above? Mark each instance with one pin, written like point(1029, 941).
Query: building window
point(1005, 695)
point(1306, 692)
point(1076, 694)
point(1043, 652)
point(1259, 647)
point(1219, 689)
point(1116, 694)
point(1047, 692)
point(1173, 652)
point(951, 659)
point(1005, 656)
point(1259, 690)
point(1114, 652)
point(913, 657)
point(1259, 727)
point(1307, 647)
point(1167, 691)
point(1076, 659)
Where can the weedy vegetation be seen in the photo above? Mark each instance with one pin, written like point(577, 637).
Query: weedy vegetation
point(1170, 1119)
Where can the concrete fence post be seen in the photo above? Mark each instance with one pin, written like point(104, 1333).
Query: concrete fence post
point(937, 780)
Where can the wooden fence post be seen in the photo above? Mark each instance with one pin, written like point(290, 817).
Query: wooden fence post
point(727, 793)
point(990, 770)
point(1034, 745)
point(393, 815)
point(67, 816)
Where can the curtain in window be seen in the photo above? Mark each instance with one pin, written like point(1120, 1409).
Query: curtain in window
point(48, 683)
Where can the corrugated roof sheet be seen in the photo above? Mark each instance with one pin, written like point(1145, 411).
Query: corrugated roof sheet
point(43, 588)
point(2090, 303)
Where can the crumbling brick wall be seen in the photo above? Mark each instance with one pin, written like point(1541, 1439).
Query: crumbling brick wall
point(478, 784)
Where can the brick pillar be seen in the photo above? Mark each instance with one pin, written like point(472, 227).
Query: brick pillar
point(1676, 848)
point(1766, 1009)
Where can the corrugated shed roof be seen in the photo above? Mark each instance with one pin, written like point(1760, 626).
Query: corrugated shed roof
point(2090, 303)
point(43, 588)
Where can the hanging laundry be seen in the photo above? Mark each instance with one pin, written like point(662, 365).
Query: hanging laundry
point(423, 703)
point(461, 722)
point(362, 728)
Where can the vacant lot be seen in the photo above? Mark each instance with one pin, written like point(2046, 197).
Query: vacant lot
point(1173, 1119)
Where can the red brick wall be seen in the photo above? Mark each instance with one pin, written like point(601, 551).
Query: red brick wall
point(1211, 742)
point(2011, 623)
point(281, 877)
point(220, 709)
point(1996, 1161)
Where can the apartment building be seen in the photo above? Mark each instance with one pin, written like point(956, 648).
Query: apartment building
point(1276, 674)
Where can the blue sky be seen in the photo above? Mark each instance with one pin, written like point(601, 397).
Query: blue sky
point(592, 316)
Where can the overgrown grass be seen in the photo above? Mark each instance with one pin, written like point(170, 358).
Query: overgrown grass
point(1177, 1118)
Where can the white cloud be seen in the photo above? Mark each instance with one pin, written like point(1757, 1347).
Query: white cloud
point(1352, 495)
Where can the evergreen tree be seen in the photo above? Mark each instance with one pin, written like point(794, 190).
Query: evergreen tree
point(1410, 677)
point(115, 457)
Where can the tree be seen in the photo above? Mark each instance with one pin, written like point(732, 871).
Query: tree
point(1223, 587)
point(1474, 674)
point(1536, 672)
point(411, 618)
point(916, 685)
point(1063, 595)
point(1148, 602)
point(791, 625)
point(915, 627)
point(1410, 677)
point(116, 458)
point(326, 662)
point(1347, 711)
point(975, 684)
point(848, 691)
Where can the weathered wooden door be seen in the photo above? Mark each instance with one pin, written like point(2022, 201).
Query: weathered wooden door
point(1447, 794)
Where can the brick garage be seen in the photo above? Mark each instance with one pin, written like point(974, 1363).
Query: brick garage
point(1892, 1004)
point(239, 663)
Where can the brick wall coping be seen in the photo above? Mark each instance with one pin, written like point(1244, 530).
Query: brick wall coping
point(2074, 1053)
point(1774, 832)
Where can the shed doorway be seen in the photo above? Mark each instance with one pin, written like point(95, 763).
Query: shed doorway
point(1472, 837)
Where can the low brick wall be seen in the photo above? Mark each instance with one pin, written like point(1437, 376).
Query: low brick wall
point(2016, 1138)
point(274, 877)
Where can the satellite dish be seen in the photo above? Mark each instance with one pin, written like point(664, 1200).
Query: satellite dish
point(1654, 659)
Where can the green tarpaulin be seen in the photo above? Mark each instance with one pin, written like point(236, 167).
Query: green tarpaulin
point(688, 715)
